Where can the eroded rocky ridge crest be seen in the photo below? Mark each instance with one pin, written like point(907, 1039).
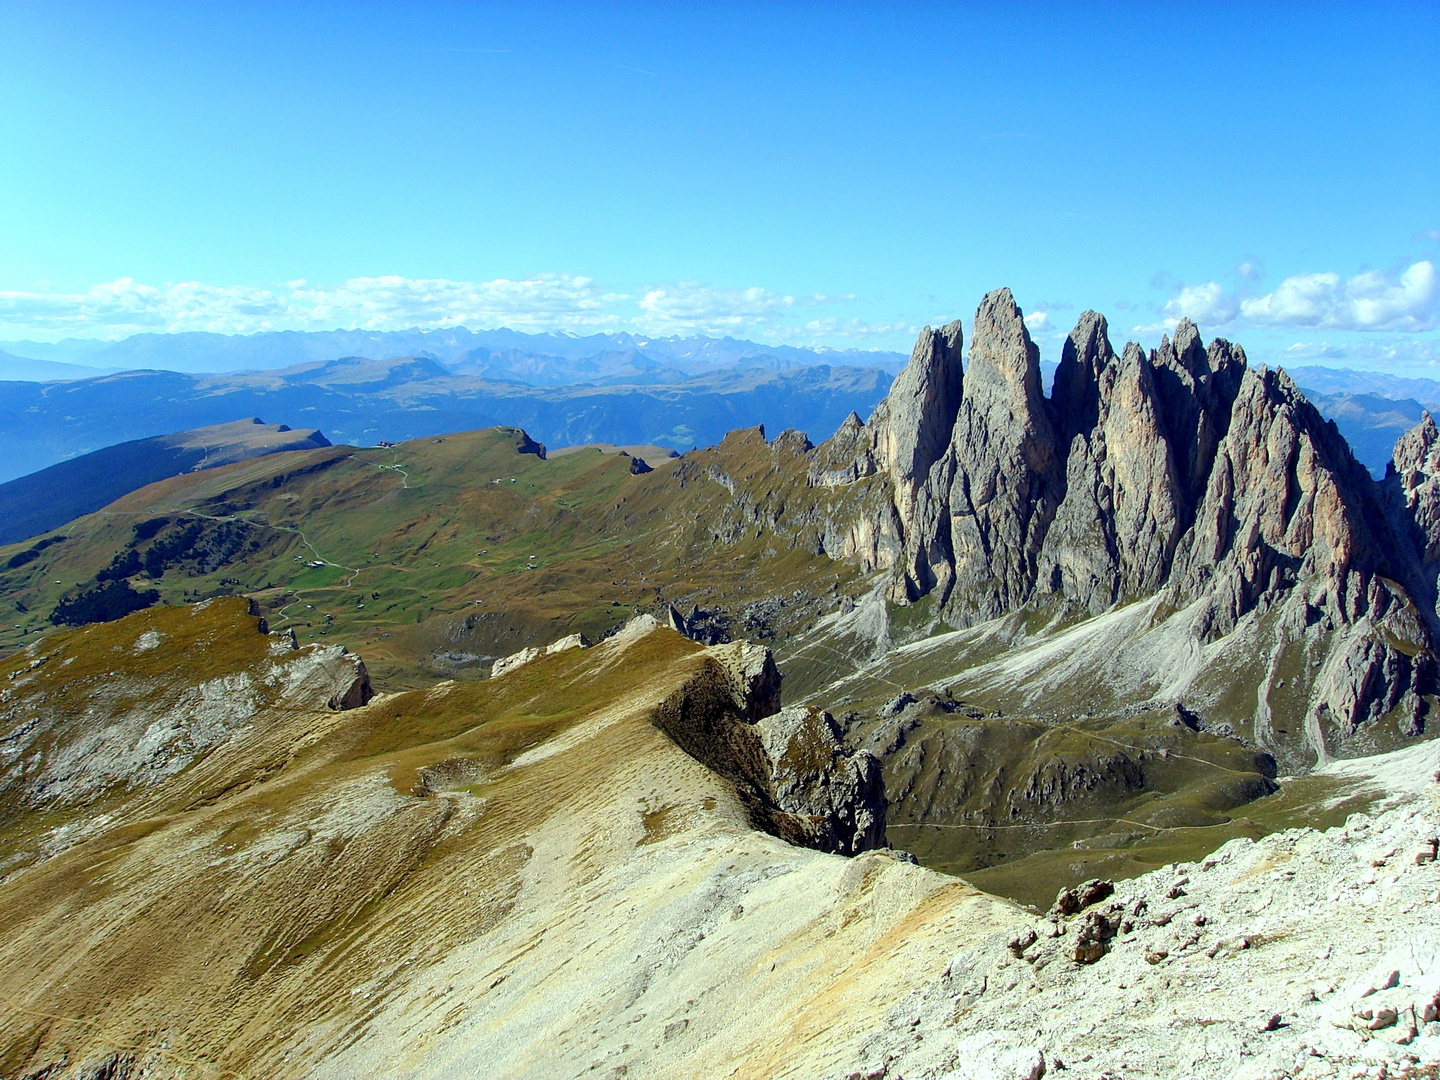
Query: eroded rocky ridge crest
point(790, 766)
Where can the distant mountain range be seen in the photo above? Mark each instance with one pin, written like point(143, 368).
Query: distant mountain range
point(551, 358)
point(361, 401)
point(566, 390)
point(77, 396)
point(28, 370)
point(1335, 381)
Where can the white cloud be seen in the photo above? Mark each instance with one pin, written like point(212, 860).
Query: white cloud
point(1204, 304)
point(1036, 321)
point(552, 302)
point(691, 308)
point(1409, 302)
point(545, 302)
point(125, 306)
point(1369, 301)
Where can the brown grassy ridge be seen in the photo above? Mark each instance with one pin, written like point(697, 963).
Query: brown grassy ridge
point(185, 922)
point(296, 897)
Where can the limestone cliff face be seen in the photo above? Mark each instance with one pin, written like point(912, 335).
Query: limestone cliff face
point(124, 707)
point(1285, 500)
point(910, 429)
point(1115, 531)
point(1007, 469)
point(790, 767)
point(1183, 472)
point(1412, 486)
point(903, 439)
point(816, 776)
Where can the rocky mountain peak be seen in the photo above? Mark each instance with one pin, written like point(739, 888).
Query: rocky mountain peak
point(1083, 358)
point(1002, 355)
point(912, 427)
point(1227, 365)
point(1195, 402)
point(1008, 474)
point(1285, 499)
point(1182, 472)
point(1417, 453)
point(1189, 350)
point(1412, 487)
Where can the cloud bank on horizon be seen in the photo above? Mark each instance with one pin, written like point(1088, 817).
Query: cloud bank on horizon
point(547, 302)
point(1403, 307)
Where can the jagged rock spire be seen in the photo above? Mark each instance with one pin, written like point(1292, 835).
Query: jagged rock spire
point(1285, 499)
point(922, 403)
point(1115, 531)
point(1083, 359)
point(1188, 351)
point(1008, 472)
point(1412, 484)
point(911, 428)
point(1182, 472)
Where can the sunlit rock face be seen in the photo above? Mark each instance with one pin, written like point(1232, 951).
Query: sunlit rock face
point(1183, 473)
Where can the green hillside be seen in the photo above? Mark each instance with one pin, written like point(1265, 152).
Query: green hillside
point(436, 555)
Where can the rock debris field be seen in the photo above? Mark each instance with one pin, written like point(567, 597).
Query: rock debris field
point(1303, 954)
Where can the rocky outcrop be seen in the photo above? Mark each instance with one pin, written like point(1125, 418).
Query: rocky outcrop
point(1182, 473)
point(328, 673)
point(707, 626)
point(1195, 388)
point(507, 664)
point(74, 731)
point(790, 767)
point(1285, 500)
point(815, 776)
point(533, 652)
point(1290, 522)
point(910, 429)
point(1112, 978)
point(1115, 531)
point(849, 455)
point(1412, 491)
point(1007, 468)
point(566, 643)
point(754, 678)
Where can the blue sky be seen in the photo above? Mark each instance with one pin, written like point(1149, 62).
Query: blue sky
point(812, 173)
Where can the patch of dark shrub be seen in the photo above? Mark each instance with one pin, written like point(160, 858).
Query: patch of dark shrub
point(105, 603)
point(124, 565)
point(172, 548)
point(20, 559)
point(144, 530)
point(32, 553)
